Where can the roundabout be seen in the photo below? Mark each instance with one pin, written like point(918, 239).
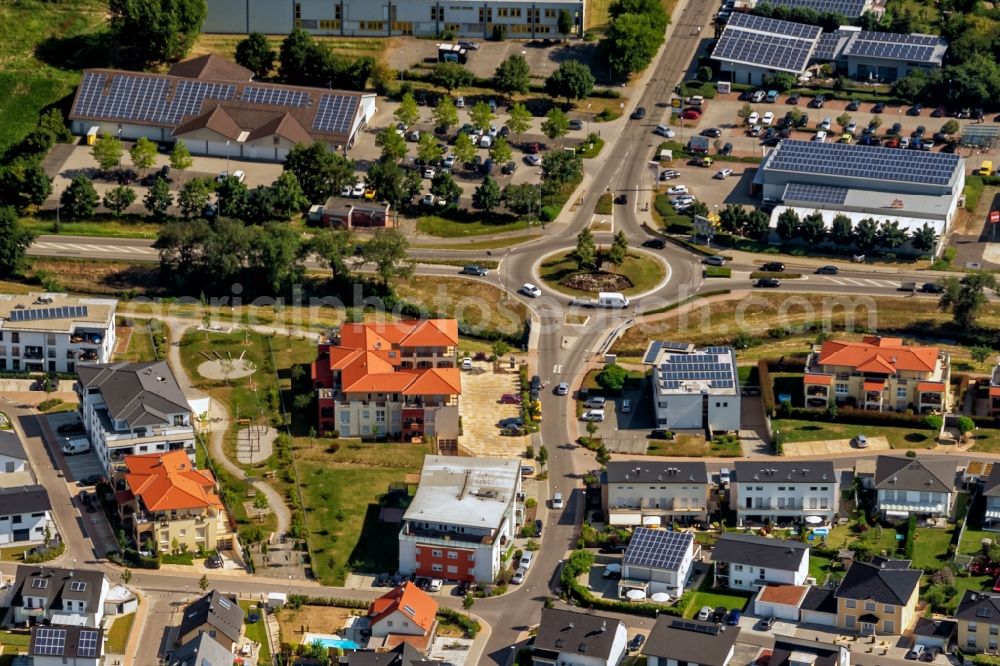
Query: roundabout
point(640, 273)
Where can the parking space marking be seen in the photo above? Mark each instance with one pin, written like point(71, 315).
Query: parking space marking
point(557, 369)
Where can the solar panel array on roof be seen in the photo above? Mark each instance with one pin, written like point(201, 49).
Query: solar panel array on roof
point(144, 98)
point(826, 48)
point(808, 192)
point(688, 625)
point(50, 642)
point(276, 96)
point(766, 42)
point(87, 647)
point(894, 46)
point(661, 549)
point(713, 365)
point(335, 113)
point(38, 314)
point(856, 161)
point(653, 352)
point(848, 8)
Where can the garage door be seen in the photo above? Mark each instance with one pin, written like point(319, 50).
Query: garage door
point(22, 535)
point(822, 619)
point(779, 611)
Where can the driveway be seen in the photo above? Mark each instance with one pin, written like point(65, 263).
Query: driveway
point(480, 410)
point(81, 464)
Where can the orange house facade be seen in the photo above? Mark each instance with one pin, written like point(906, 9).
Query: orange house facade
point(395, 380)
point(880, 374)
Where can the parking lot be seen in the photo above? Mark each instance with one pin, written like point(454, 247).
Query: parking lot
point(625, 432)
point(480, 410)
point(79, 465)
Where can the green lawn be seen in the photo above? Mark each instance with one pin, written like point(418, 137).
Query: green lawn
point(842, 536)
point(140, 344)
point(642, 270)
point(445, 228)
point(119, 633)
point(819, 566)
point(930, 551)
point(493, 244)
point(794, 430)
point(257, 631)
point(125, 228)
point(972, 541)
point(707, 596)
point(15, 554)
point(987, 440)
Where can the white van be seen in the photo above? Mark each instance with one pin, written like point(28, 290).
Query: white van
point(74, 446)
point(612, 299)
point(626, 406)
point(526, 559)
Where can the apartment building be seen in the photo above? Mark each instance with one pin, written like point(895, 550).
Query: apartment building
point(747, 561)
point(462, 519)
point(694, 389)
point(880, 374)
point(978, 618)
point(396, 380)
point(920, 486)
point(25, 515)
point(781, 492)
point(165, 500)
point(878, 597)
point(517, 19)
point(133, 408)
point(55, 332)
point(44, 594)
point(655, 493)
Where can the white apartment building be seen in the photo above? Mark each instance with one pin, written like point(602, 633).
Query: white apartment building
point(462, 518)
point(778, 492)
point(54, 332)
point(25, 512)
point(923, 487)
point(694, 389)
point(133, 408)
point(58, 596)
point(747, 561)
point(655, 493)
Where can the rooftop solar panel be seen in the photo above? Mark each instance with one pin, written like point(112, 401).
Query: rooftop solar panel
point(276, 96)
point(848, 8)
point(40, 314)
point(808, 192)
point(826, 48)
point(774, 26)
point(661, 549)
point(87, 646)
point(50, 642)
point(875, 163)
point(895, 46)
point(767, 42)
point(653, 352)
point(335, 113)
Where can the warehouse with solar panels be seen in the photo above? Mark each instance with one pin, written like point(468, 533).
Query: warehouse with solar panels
point(215, 108)
point(694, 389)
point(911, 187)
point(522, 19)
point(847, 8)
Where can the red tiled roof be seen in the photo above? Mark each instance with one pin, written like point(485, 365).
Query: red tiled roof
point(824, 380)
point(408, 599)
point(787, 595)
point(930, 386)
point(169, 482)
point(874, 386)
point(882, 355)
point(995, 391)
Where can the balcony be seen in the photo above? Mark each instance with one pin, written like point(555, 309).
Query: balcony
point(326, 394)
point(445, 538)
point(81, 337)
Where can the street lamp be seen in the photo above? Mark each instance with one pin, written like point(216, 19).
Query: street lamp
point(227, 157)
point(589, 114)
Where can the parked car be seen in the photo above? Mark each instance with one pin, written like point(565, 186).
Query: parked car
point(593, 415)
point(518, 577)
point(930, 654)
point(669, 174)
point(636, 642)
point(430, 172)
point(705, 613)
point(91, 480)
point(826, 123)
point(594, 402)
point(557, 498)
point(727, 149)
point(733, 618)
point(616, 549)
point(766, 623)
point(915, 109)
point(854, 105)
point(533, 160)
point(677, 189)
point(722, 174)
point(819, 136)
point(70, 428)
point(691, 114)
point(509, 168)
point(878, 108)
point(794, 98)
point(860, 441)
point(538, 527)
point(510, 399)
point(466, 363)
point(916, 651)
point(213, 562)
point(711, 132)
point(576, 124)
point(817, 102)
point(767, 119)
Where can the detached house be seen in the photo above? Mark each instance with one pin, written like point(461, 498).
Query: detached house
point(923, 487)
point(991, 491)
point(674, 641)
point(25, 513)
point(978, 617)
point(165, 499)
point(878, 597)
point(569, 638)
point(747, 561)
point(781, 492)
point(59, 596)
point(655, 493)
point(658, 561)
point(133, 408)
point(390, 379)
point(880, 374)
point(13, 459)
point(405, 614)
point(214, 614)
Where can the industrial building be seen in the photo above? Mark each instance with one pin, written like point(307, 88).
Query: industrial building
point(880, 56)
point(694, 389)
point(519, 19)
point(754, 47)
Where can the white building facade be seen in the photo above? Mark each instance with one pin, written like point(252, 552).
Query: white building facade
point(747, 562)
point(785, 492)
point(55, 332)
point(653, 493)
point(25, 515)
point(694, 389)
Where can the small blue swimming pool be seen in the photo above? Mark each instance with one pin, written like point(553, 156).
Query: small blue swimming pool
point(341, 643)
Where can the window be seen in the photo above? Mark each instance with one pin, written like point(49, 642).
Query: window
point(850, 622)
point(738, 567)
point(372, 25)
point(388, 623)
point(437, 568)
point(452, 569)
point(17, 519)
point(503, 11)
point(550, 13)
point(452, 555)
point(870, 606)
point(15, 337)
point(437, 13)
point(516, 12)
point(972, 627)
point(993, 644)
point(888, 627)
point(841, 389)
point(330, 25)
point(380, 416)
point(850, 603)
point(993, 629)
point(436, 553)
point(971, 641)
point(345, 417)
point(901, 392)
point(889, 610)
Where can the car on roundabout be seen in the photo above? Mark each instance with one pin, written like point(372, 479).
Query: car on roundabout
point(531, 290)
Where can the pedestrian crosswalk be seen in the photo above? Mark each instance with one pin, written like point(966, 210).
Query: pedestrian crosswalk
point(858, 282)
point(45, 247)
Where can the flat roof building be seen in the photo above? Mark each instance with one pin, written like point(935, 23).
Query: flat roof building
point(694, 389)
point(461, 519)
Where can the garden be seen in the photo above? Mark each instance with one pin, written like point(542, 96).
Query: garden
point(590, 269)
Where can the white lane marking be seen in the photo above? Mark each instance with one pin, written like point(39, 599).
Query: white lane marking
point(556, 369)
point(856, 283)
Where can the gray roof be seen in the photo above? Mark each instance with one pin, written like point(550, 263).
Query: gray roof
point(758, 551)
point(10, 445)
point(928, 475)
point(705, 643)
point(25, 499)
point(786, 646)
point(55, 584)
point(640, 471)
point(775, 471)
point(935, 628)
point(216, 610)
point(819, 599)
point(403, 654)
point(991, 487)
point(979, 607)
point(569, 632)
point(864, 581)
point(68, 642)
point(202, 650)
point(141, 394)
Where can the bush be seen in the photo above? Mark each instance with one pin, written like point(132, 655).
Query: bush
point(766, 386)
point(46, 405)
point(612, 378)
point(933, 422)
point(549, 213)
point(965, 424)
point(466, 623)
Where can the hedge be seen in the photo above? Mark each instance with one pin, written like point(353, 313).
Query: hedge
point(766, 386)
point(786, 364)
point(854, 416)
point(299, 600)
point(468, 625)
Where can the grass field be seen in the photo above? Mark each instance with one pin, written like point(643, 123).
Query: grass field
point(642, 270)
point(496, 243)
point(225, 45)
point(707, 596)
point(445, 228)
point(119, 633)
point(110, 228)
point(930, 550)
point(43, 45)
point(693, 446)
point(140, 345)
point(972, 541)
point(257, 631)
point(793, 430)
point(92, 276)
point(477, 303)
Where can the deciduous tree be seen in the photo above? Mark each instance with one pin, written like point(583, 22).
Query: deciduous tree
point(572, 80)
point(481, 116)
point(586, 251)
point(150, 32)
point(407, 112)
point(556, 124)
point(158, 198)
point(194, 197)
point(464, 149)
point(923, 239)
point(518, 120)
point(966, 298)
point(119, 198)
point(445, 113)
point(79, 199)
point(14, 242)
point(521, 199)
point(255, 53)
point(451, 75)
point(618, 250)
point(501, 151)
point(512, 75)
point(180, 156)
point(391, 143)
point(487, 196)
point(320, 171)
point(428, 149)
point(387, 249)
point(841, 231)
point(335, 247)
point(107, 150)
point(866, 234)
point(143, 154)
point(564, 23)
point(813, 230)
point(443, 185)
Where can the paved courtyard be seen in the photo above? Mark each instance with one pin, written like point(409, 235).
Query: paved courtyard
point(480, 411)
point(833, 446)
